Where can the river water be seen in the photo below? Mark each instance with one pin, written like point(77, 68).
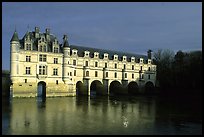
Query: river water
point(136, 115)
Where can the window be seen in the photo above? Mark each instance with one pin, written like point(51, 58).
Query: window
point(149, 76)
point(96, 64)
point(87, 63)
point(27, 58)
point(125, 75)
point(124, 66)
point(43, 58)
point(74, 62)
point(141, 60)
point(132, 75)
point(27, 70)
point(87, 73)
point(96, 74)
point(106, 74)
point(42, 39)
point(115, 65)
point(70, 73)
point(132, 67)
point(55, 60)
point(42, 70)
point(142, 76)
point(44, 48)
point(28, 46)
point(55, 71)
point(105, 65)
point(140, 67)
point(149, 69)
point(25, 80)
point(74, 72)
point(55, 50)
point(115, 74)
point(41, 48)
point(57, 82)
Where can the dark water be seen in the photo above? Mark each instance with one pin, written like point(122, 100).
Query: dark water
point(102, 115)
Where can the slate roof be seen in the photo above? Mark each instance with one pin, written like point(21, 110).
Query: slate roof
point(80, 49)
point(14, 37)
point(111, 53)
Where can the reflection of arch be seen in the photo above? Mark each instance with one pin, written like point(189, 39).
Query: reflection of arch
point(115, 87)
point(41, 89)
point(80, 89)
point(133, 88)
point(96, 88)
point(149, 87)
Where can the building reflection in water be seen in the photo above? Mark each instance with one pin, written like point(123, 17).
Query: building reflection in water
point(82, 115)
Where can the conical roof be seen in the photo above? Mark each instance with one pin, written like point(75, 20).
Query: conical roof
point(14, 37)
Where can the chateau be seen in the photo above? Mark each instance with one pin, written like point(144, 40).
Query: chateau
point(42, 66)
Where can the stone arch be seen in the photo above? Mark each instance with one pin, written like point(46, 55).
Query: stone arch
point(133, 88)
point(149, 87)
point(115, 87)
point(96, 87)
point(41, 92)
point(81, 89)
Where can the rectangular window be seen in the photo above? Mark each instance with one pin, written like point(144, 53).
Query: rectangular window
point(41, 48)
point(105, 65)
point(96, 64)
point(124, 66)
point(55, 50)
point(44, 48)
point(74, 72)
point(132, 75)
point(115, 75)
point(125, 75)
point(55, 71)
point(74, 62)
point(96, 74)
point(42, 70)
point(87, 63)
point(28, 46)
point(149, 69)
point(132, 67)
point(70, 73)
point(140, 67)
point(27, 70)
point(87, 73)
point(149, 76)
point(106, 74)
point(27, 58)
point(57, 82)
point(43, 58)
point(25, 80)
point(55, 60)
point(115, 65)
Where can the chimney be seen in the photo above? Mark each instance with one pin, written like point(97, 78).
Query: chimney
point(149, 54)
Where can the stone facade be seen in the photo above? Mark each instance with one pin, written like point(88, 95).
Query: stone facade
point(39, 57)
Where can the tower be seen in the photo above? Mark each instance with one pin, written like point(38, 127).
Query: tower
point(66, 51)
point(14, 56)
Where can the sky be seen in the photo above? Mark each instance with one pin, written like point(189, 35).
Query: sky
point(132, 27)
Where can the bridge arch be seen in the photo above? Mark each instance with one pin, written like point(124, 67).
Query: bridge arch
point(96, 87)
point(133, 88)
point(149, 87)
point(115, 87)
point(41, 92)
point(81, 89)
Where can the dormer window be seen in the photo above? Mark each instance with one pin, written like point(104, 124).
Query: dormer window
point(141, 60)
point(74, 51)
point(149, 61)
point(115, 57)
point(96, 54)
point(132, 59)
point(105, 55)
point(56, 49)
point(86, 53)
point(124, 58)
